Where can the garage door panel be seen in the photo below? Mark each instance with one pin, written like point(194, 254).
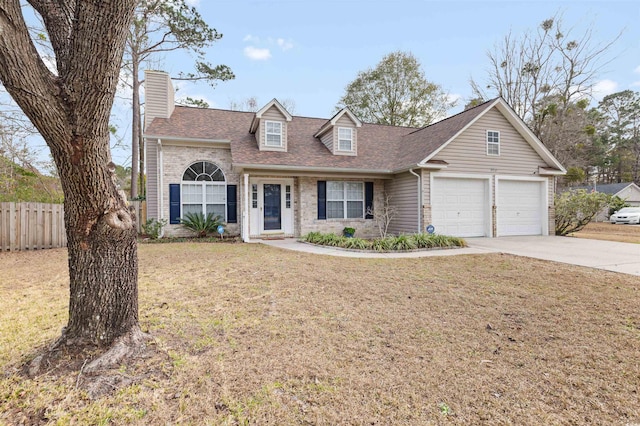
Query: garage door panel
point(520, 206)
point(459, 206)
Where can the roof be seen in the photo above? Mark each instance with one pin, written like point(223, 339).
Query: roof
point(606, 188)
point(381, 148)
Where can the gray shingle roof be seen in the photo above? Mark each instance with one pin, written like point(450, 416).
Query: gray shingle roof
point(605, 188)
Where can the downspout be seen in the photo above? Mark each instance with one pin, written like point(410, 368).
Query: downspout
point(160, 185)
point(419, 199)
point(245, 210)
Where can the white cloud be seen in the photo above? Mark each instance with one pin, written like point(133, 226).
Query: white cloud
point(604, 88)
point(251, 39)
point(257, 54)
point(635, 84)
point(637, 70)
point(285, 44)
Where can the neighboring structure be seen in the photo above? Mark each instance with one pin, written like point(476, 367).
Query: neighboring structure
point(628, 191)
point(478, 173)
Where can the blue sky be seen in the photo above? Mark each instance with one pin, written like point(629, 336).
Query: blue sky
point(309, 51)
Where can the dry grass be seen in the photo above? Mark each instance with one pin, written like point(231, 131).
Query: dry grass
point(252, 334)
point(610, 232)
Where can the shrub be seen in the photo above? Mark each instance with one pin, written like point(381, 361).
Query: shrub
point(348, 231)
point(404, 242)
point(200, 224)
point(356, 243)
point(576, 208)
point(153, 228)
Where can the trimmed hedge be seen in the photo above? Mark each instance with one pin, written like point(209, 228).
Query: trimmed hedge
point(399, 243)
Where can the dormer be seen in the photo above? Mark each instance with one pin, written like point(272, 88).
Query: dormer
point(340, 133)
point(270, 127)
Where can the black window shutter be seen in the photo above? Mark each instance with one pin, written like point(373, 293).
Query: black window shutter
point(322, 199)
point(232, 210)
point(368, 200)
point(174, 203)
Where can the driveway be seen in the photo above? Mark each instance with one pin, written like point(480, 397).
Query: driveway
point(608, 255)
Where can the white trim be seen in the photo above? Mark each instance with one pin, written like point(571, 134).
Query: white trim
point(346, 200)
point(285, 168)
point(351, 144)
point(492, 144)
point(267, 133)
point(258, 115)
point(245, 210)
point(184, 139)
point(260, 181)
point(334, 120)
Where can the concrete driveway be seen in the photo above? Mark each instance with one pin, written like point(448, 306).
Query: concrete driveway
point(608, 255)
point(612, 256)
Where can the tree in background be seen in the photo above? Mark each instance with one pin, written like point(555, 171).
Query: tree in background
point(620, 137)
point(396, 93)
point(70, 107)
point(568, 130)
point(162, 26)
point(549, 63)
point(251, 104)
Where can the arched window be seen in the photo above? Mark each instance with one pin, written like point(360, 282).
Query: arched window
point(204, 190)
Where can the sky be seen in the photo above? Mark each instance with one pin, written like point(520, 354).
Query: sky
point(308, 51)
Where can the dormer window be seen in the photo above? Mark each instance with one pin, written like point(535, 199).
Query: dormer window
point(273, 133)
point(345, 139)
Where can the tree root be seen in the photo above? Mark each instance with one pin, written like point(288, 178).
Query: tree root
point(126, 346)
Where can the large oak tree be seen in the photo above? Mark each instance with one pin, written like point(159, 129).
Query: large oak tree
point(70, 107)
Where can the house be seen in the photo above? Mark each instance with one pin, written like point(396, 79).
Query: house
point(479, 173)
point(627, 191)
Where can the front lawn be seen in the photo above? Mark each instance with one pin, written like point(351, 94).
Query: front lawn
point(250, 334)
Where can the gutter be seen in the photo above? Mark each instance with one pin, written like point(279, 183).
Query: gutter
point(419, 199)
point(161, 186)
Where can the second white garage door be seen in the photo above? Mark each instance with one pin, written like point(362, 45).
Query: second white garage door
point(520, 207)
point(459, 207)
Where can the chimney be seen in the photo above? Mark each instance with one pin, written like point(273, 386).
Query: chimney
point(158, 96)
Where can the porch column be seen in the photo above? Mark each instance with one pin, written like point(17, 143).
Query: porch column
point(245, 210)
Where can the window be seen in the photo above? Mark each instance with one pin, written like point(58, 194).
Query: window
point(204, 190)
point(493, 142)
point(345, 139)
point(345, 200)
point(273, 133)
point(287, 196)
point(254, 195)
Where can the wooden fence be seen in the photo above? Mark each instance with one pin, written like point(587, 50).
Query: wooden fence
point(38, 226)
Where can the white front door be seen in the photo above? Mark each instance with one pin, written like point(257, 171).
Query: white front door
point(271, 207)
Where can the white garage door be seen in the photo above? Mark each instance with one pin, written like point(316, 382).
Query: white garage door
point(459, 206)
point(520, 206)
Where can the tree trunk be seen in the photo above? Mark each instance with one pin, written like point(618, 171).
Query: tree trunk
point(71, 111)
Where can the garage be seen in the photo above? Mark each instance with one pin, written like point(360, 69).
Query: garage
point(520, 207)
point(460, 207)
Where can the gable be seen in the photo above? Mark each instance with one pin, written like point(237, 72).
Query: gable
point(631, 193)
point(468, 151)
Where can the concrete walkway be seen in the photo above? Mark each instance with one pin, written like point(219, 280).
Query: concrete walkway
point(608, 255)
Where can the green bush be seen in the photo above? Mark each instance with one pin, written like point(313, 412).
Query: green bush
point(200, 224)
point(576, 208)
point(390, 243)
point(153, 228)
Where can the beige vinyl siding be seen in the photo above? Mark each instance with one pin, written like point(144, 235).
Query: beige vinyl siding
point(468, 152)
point(151, 156)
point(272, 114)
point(403, 192)
point(159, 96)
point(327, 140)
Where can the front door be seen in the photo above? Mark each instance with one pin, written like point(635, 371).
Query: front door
point(272, 207)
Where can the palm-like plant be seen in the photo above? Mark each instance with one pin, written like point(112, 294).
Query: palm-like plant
point(200, 224)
